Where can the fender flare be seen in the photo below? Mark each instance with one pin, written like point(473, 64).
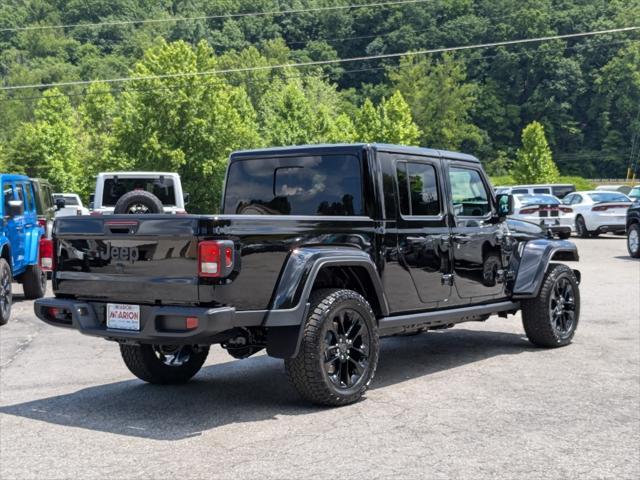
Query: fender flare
point(290, 302)
point(534, 261)
point(5, 245)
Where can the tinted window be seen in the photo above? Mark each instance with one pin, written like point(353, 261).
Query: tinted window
point(312, 185)
point(70, 201)
point(608, 197)
point(20, 192)
point(418, 189)
point(519, 191)
point(538, 199)
point(634, 193)
point(568, 199)
point(541, 190)
point(470, 198)
point(114, 188)
point(47, 197)
point(562, 190)
point(30, 204)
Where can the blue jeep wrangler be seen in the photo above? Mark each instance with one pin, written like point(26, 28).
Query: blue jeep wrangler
point(20, 242)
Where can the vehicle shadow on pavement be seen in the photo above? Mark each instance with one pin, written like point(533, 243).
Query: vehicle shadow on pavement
point(250, 390)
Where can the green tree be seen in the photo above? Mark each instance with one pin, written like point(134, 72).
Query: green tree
point(534, 163)
point(186, 124)
point(50, 146)
point(441, 100)
point(389, 122)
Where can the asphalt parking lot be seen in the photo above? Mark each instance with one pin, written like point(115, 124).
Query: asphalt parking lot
point(476, 401)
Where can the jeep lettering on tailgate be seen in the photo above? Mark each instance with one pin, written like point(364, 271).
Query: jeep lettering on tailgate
point(123, 254)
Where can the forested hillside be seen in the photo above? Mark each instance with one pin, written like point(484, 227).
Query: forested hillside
point(585, 91)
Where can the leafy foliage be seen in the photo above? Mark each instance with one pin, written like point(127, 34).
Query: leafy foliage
point(534, 163)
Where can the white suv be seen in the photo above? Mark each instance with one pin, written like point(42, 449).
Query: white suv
point(110, 186)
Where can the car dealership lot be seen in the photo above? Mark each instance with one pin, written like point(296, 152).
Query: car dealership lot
point(475, 401)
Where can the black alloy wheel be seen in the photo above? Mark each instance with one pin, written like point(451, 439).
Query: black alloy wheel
point(6, 295)
point(347, 345)
point(562, 307)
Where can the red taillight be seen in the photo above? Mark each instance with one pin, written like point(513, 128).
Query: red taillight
point(566, 210)
point(599, 209)
point(191, 323)
point(43, 223)
point(527, 211)
point(46, 254)
point(215, 258)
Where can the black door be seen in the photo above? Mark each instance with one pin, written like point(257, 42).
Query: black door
point(476, 236)
point(423, 234)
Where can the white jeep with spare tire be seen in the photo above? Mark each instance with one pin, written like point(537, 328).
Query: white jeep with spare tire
point(138, 192)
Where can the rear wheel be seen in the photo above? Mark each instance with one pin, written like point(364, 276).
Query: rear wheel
point(338, 355)
point(551, 319)
point(6, 296)
point(34, 282)
point(633, 240)
point(164, 364)
point(581, 228)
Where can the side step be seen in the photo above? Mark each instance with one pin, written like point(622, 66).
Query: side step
point(445, 317)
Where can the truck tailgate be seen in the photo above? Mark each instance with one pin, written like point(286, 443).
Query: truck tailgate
point(128, 259)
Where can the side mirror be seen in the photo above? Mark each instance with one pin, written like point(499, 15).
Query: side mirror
point(187, 197)
point(60, 203)
point(505, 205)
point(16, 208)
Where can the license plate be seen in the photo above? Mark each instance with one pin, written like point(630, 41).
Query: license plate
point(123, 317)
point(550, 223)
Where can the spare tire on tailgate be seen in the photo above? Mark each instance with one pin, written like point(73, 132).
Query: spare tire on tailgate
point(138, 201)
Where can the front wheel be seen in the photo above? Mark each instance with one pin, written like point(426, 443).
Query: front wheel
point(163, 364)
point(6, 296)
point(338, 354)
point(550, 319)
point(633, 240)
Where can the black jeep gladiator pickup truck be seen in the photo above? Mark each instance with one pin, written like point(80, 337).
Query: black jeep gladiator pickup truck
point(320, 251)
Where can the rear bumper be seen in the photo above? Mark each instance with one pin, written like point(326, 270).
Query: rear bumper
point(158, 324)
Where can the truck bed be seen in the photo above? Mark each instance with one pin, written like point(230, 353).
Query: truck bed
point(152, 259)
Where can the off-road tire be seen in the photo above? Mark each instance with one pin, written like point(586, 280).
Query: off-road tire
point(634, 229)
point(307, 372)
point(34, 282)
point(7, 296)
point(536, 317)
point(138, 197)
point(581, 228)
point(142, 361)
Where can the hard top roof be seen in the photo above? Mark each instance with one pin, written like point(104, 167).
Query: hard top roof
point(13, 176)
point(350, 148)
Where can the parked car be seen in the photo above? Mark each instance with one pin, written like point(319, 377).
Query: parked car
point(69, 204)
point(546, 211)
point(138, 192)
point(614, 188)
point(633, 230)
point(25, 255)
point(45, 205)
point(598, 211)
point(634, 194)
point(320, 250)
point(557, 190)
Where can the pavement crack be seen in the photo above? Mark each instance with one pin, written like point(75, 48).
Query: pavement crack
point(22, 346)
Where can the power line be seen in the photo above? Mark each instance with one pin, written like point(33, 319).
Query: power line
point(294, 11)
point(112, 91)
point(321, 62)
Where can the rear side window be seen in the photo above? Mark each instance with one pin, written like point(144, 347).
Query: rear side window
point(30, 203)
point(563, 190)
point(418, 189)
point(310, 185)
point(519, 191)
point(469, 195)
point(20, 192)
point(541, 190)
point(161, 187)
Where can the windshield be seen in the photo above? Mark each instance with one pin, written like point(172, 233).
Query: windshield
point(161, 187)
point(538, 199)
point(601, 197)
point(635, 193)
